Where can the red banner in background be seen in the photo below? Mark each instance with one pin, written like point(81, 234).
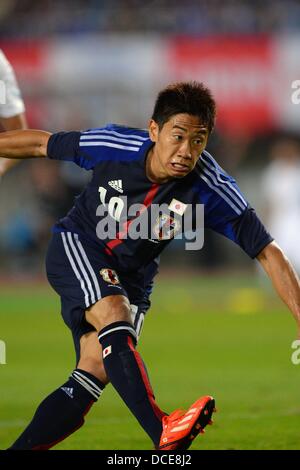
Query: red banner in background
point(29, 58)
point(251, 78)
point(30, 63)
point(238, 71)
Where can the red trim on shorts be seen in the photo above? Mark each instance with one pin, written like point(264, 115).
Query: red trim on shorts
point(158, 412)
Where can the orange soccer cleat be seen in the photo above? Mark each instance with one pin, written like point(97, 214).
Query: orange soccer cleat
point(181, 427)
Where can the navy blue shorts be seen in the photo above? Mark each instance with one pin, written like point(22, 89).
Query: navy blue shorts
point(82, 274)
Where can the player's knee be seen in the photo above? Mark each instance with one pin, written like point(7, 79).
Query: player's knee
point(109, 310)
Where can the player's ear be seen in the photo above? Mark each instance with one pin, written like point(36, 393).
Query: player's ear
point(153, 130)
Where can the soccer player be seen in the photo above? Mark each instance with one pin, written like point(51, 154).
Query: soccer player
point(105, 279)
point(12, 109)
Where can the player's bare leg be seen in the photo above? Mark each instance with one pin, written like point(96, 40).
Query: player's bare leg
point(91, 356)
point(109, 310)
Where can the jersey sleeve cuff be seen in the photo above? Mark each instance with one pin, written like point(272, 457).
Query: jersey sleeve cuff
point(261, 246)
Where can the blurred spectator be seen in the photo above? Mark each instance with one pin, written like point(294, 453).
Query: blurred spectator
point(281, 193)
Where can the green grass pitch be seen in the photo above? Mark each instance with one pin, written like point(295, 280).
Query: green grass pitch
point(223, 336)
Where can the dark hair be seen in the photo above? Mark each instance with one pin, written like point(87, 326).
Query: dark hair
point(185, 97)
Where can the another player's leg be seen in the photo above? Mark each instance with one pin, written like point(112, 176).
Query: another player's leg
point(64, 410)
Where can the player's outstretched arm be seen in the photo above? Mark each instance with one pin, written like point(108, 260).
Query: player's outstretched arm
point(24, 144)
point(283, 276)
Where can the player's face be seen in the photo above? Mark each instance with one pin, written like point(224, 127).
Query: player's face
point(177, 146)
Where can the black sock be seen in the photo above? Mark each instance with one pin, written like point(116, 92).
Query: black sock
point(126, 372)
point(61, 413)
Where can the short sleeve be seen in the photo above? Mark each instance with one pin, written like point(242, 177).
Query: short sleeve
point(245, 229)
point(226, 211)
point(250, 233)
point(65, 146)
point(93, 146)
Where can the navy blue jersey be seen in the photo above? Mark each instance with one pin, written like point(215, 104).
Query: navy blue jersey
point(117, 156)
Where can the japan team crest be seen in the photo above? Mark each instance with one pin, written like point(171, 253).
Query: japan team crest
point(166, 227)
point(109, 275)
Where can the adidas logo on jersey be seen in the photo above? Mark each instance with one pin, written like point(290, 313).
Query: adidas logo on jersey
point(117, 185)
point(68, 391)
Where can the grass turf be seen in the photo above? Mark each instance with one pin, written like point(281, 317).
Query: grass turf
point(223, 336)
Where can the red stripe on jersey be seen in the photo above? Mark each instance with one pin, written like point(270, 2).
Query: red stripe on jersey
point(150, 195)
point(113, 243)
point(158, 412)
point(147, 202)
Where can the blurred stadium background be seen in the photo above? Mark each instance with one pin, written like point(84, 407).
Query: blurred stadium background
point(84, 63)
